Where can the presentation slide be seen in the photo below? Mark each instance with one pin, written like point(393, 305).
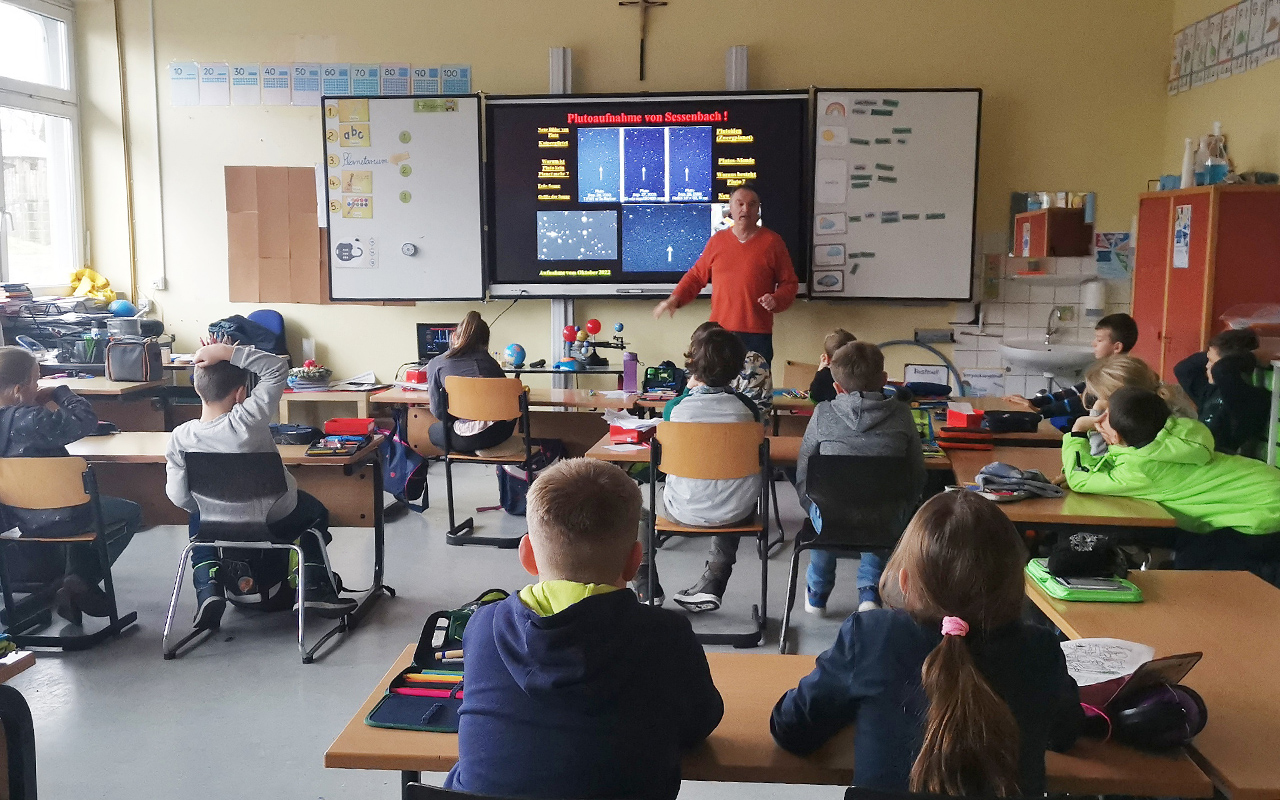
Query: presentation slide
point(607, 192)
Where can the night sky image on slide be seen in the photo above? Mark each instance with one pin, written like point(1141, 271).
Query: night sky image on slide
point(690, 150)
point(577, 235)
point(599, 167)
point(663, 238)
point(644, 153)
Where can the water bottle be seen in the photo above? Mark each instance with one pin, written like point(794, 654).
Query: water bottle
point(630, 372)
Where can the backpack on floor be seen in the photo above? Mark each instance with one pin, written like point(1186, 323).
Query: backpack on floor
point(404, 471)
point(513, 480)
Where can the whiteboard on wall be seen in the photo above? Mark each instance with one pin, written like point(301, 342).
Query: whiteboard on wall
point(402, 181)
point(895, 191)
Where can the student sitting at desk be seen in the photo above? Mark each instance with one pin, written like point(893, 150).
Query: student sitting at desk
point(1227, 505)
point(30, 429)
point(755, 381)
point(1104, 378)
point(574, 689)
point(951, 694)
point(1115, 334)
point(467, 356)
point(233, 420)
point(823, 386)
point(1234, 410)
point(861, 421)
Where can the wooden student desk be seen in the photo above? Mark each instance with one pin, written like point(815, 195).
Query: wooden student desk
point(129, 405)
point(741, 748)
point(784, 451)
point(1234, 619)
point(538, 396)
point(101, 387)
point(1074, 510)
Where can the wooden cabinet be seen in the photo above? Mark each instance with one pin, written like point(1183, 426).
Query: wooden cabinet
point(1051, 232)
point(1200, 252)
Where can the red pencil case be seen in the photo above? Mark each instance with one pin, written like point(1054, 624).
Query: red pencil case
point(349, 426)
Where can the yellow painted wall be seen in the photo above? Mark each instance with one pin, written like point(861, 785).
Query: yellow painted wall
point(1248, 106)
point(1074, 98)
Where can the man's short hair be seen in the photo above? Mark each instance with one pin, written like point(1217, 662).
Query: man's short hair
point(835, 340)
point(717, 357)
point(1137, 415)
point(216, 382)
point(858, 367)
point(1235, 341)
point(583, 517)
point(1121, 328)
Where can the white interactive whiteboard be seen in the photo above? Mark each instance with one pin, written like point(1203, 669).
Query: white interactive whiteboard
point(402, 177)
point(895, 190)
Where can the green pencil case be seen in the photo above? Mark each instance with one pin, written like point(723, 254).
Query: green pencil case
point(1082, 590)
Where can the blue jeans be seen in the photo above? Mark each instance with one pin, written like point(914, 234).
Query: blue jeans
point(821, 575)
point(307, 514)
point(761, 343)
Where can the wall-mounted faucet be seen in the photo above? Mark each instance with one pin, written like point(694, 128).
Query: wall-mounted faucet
point(1049, 328)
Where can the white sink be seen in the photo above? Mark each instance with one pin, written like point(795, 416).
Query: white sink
point(1054, 357)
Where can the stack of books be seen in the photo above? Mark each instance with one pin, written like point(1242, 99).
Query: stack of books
point(14, 296)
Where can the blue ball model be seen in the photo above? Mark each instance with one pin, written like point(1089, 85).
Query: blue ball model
point(122, 308)
point(515, 355)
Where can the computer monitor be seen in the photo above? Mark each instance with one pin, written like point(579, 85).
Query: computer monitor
point(433, 339)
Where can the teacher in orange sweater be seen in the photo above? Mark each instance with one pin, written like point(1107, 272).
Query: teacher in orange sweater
point(750, 273)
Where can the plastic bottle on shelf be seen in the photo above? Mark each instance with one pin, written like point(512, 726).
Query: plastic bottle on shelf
point(630, 372)
point(1202, 161)
point(1216, 165)
point(1188, 166)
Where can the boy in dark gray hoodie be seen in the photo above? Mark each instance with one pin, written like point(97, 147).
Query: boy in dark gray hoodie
point(862, 420)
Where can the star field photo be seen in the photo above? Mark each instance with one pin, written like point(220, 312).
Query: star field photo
point(599, 165)
point(663, 238)
point(689, 164)
point(577, 235)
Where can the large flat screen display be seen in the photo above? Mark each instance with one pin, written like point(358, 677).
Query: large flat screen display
point(618, 195)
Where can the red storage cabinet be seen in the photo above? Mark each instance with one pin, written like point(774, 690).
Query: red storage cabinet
point(1232, 256)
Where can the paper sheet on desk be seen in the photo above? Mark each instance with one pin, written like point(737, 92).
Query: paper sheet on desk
point(624, 420)
point(617, 394)
point(625, 448)
point(1093, 661)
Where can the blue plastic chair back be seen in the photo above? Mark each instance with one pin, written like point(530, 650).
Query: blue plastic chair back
point(269, 319)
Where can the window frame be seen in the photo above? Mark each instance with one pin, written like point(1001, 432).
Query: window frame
point(57, 102)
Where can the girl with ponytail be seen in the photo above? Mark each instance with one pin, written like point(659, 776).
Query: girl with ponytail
point(949, 691)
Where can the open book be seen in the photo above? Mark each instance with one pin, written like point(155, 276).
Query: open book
point(1108, 669)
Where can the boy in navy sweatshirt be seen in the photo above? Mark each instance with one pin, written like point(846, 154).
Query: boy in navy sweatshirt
point(573, 688)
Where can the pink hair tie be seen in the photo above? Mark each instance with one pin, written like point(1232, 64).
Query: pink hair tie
point(954, 626)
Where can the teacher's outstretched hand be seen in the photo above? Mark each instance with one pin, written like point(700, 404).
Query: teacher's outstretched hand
point(750, 273)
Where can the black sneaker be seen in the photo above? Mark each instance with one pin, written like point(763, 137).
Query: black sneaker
point(704, 595)
point(85, 596)
point(640, 585)
point(322, 598)
point(211, 600)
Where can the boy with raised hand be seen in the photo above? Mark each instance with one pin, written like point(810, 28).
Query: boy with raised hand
point(862, 420)
point(1227, 505)
point(234, 420)
point(1115, 334)
point(573, 688)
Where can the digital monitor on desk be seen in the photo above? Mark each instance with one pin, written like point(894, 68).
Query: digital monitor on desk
point(433, 339)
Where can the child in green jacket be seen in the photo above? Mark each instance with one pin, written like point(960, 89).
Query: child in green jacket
point(1228, 505)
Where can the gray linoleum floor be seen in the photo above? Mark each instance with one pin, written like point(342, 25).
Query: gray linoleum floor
point(242, 716)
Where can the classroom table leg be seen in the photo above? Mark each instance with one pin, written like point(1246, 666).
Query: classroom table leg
point(407, 777)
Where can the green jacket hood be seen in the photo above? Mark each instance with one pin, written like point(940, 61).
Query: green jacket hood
point(1181, 441)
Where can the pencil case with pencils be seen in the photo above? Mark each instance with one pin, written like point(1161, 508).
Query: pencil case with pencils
point(426, 695)
point(965, 438)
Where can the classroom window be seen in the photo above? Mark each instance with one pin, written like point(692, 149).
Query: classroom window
point(41, 215)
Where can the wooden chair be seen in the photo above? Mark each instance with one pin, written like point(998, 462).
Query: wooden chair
point(420, 791)
point(487, 400)
point(715, 451)
point(865, 502)
point(798, 375)
point(235, 492)
point(46, 484)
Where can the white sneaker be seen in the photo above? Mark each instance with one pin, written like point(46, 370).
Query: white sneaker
point(810, 608)
point(868, 605)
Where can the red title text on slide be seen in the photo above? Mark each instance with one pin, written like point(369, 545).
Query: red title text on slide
point(639, 119)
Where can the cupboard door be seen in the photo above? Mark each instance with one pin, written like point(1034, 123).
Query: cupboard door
point(1185, 300)
point(1150, 270)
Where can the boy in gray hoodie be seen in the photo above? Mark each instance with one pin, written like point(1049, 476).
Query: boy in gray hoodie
point(862, 420)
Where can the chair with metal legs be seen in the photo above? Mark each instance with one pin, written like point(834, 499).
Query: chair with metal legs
point(235, 492)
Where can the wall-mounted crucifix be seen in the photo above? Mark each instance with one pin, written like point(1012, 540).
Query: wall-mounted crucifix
point(644, 6)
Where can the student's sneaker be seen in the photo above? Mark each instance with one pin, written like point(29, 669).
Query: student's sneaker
point(211, 600)
point(640, 585)
point(322, 598)
point(868, 598)
point(705, 595)
point(815, 603)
